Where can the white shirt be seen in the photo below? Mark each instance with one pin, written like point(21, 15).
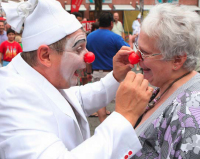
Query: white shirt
point(37, 121)
point(136, 26)
point(118, 28)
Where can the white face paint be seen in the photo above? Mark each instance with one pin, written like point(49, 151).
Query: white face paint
point(73, 58)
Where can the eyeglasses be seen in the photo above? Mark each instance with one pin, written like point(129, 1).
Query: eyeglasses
point(145, 56)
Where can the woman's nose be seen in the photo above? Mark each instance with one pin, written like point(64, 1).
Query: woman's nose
point(139, 54)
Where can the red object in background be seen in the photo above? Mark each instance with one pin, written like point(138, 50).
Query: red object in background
point(134, 58)
point(89, 57)
point(2, 18)
point(87, 25)
point(75, 5)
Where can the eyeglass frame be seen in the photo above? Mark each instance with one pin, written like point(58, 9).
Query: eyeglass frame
point(142, 56)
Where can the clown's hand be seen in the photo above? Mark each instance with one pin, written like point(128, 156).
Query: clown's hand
point(121, 65)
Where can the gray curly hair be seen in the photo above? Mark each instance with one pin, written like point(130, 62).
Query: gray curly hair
point(177, 31)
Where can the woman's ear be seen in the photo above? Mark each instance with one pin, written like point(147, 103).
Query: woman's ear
point(179, 61)
point(43, 54)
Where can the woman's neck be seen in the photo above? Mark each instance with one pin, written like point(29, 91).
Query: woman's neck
point(179, 82)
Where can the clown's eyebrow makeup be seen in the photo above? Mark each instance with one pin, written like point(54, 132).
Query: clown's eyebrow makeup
point(78, 42)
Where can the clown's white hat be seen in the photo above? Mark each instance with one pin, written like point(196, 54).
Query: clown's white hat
point(45, 22)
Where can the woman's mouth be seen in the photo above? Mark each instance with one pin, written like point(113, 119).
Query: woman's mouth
point(146, 70)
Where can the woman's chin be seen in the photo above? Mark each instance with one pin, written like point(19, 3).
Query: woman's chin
point(147, 74)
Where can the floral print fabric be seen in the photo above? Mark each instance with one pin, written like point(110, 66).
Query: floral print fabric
point(175, 133)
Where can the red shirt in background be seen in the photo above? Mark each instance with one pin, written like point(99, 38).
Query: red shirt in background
point(9, 50)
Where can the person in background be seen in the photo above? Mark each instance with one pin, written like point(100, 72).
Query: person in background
point(136, 33)
point(136, 24)
point(84, 19)
point(95, 26)
point(7, 26)
point(169, 45)
point(3, 36)
point(19, 40)
point(10, 48)
point(117, 26)
point(104, 44)
point(18, 37)
point(42, 111)
point(78, 16)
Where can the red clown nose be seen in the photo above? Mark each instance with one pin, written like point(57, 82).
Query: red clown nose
point(134, 58)
point(89, 57)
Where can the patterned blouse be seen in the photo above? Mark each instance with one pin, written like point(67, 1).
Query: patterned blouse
point(173, 130)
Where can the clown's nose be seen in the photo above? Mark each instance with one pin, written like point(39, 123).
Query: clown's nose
point(89, 57)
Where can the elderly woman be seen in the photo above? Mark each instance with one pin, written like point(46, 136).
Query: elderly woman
point(169, 45)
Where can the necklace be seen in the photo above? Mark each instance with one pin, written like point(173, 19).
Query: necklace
point(154, 100)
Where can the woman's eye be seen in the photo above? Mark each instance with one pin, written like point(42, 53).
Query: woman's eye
point(145, 53)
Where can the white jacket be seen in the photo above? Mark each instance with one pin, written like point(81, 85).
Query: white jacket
point(37, 122)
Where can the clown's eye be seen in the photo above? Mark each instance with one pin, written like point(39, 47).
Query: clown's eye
point(79, 48)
